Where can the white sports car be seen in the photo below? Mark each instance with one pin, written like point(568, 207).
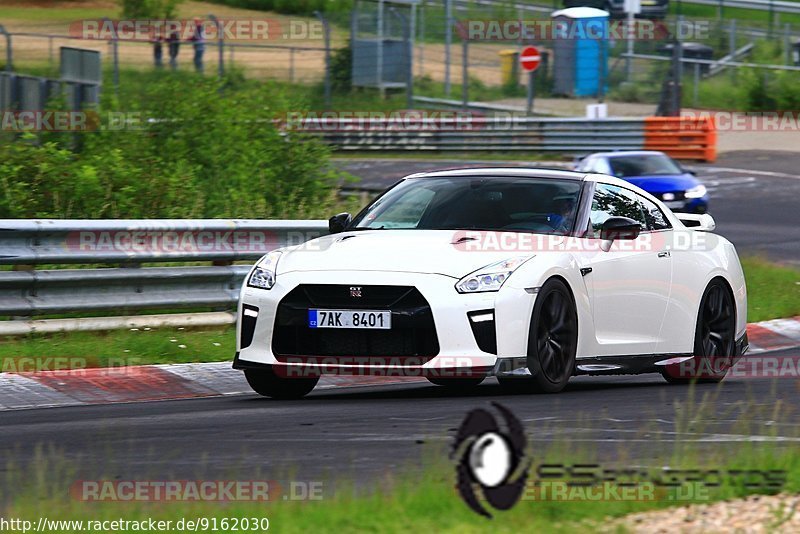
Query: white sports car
point(529, 275)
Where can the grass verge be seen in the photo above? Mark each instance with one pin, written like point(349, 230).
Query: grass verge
point(773, 291)
point(422, 497)
point(138, 346)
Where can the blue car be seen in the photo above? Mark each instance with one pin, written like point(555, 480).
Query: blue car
point(656, 173)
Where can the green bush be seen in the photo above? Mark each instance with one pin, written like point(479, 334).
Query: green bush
point(291, 7)
point(149, 9)
point(206, 155)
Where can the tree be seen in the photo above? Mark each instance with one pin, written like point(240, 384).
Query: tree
point(149, 9)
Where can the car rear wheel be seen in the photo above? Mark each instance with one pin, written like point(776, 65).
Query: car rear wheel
point(267, 383)
point(714, 342)
point(552, 338)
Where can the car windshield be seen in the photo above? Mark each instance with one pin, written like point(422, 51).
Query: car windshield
point(475, 203)
point(647, 165)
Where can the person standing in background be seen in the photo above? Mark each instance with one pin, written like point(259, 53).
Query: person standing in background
point(158, 49)
point(199, 42)
point(174, 41)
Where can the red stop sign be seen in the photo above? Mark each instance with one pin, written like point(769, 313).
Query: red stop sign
point(530, 58)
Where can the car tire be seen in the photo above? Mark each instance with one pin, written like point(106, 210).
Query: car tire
point(552, 338)
point(456, 383)
point(714, 339)
point(267, 383)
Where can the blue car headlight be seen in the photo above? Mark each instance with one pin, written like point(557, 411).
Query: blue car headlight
point(698, 191)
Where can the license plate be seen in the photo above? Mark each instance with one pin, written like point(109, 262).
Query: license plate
point(369, 319)
point(676, 204)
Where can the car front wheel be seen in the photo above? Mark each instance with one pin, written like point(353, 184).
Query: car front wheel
point(553, 338)
point(267, 383)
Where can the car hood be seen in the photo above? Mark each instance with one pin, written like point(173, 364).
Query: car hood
point(418, 251)
point(663, 184)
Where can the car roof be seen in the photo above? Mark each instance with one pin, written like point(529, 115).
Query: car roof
point(503, 172)
point(620, 153)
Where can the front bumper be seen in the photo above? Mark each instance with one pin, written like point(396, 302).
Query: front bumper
point(460, 348)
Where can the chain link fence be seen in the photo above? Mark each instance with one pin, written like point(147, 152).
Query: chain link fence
point(445, 62)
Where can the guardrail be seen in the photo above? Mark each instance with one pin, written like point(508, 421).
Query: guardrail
point(684, 138)
point(114, 252)
point(775, 6)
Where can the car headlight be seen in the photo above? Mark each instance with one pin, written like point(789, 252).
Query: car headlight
point(697, 191)
point(263, 275)
point(490, 278)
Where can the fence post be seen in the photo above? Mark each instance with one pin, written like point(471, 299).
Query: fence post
point(448, 40)
point(220, 45)
point(787, 44)
point(421, 38)
point(465, 73)
point(732, 44)
point(9, 50)
point(291, 64)
point(114, 53)
point(326, 32)
point(696, 84)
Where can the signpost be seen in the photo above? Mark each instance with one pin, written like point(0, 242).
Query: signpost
point(529, 59)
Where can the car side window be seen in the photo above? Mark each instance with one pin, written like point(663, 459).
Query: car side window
point(612, 201)
point(656, 220)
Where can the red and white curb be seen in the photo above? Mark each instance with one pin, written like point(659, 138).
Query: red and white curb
point(112, 385)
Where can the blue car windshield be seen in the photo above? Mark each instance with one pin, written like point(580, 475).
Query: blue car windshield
point(533, 205)
point(647, 165)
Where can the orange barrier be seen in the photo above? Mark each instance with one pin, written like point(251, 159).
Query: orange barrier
point(682, 137)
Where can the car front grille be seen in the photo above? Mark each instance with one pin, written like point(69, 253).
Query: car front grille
point(411, 340)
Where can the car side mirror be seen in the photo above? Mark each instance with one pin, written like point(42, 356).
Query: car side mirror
point(339, 223)
point(620, 228)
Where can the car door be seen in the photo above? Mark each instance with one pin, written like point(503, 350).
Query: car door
point(630, 283)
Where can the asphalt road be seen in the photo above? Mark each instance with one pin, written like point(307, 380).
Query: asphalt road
point(754, 195)
point(362, 434)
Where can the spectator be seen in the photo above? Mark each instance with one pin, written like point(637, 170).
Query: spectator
point(199, 42)
point(174, 41)
point(158, 49)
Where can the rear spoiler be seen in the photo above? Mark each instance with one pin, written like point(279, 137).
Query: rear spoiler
point(702, 223)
